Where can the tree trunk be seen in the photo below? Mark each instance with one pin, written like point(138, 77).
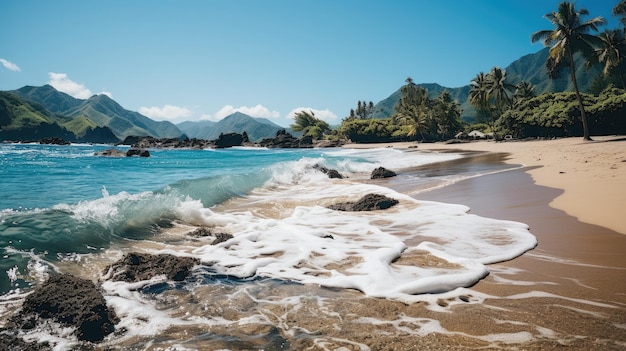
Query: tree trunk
point(583, 116)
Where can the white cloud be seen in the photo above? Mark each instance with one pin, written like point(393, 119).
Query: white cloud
point(61, 82)
point(168, 112)
point(9, 65)
point(325, 115)
point(254, 111)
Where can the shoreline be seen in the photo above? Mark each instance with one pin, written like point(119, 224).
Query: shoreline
point(592, 174)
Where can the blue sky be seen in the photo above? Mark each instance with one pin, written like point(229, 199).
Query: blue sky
point(204, 59)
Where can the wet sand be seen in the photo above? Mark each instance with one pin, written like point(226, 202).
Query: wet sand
point(569, 292)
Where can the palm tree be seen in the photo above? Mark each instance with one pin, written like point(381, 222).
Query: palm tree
point(479, 97)
point(611, 53)
point(412, 108)
point(499, 90)
point(447, 114)
point(309, 124)
point(570, 35)
point(523, 91)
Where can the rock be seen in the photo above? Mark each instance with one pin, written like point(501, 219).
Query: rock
point(53, 141)
point(138, 152)
point(72, 302)
point(382, 172)
point(135, 267)
point(369, 202)
point(331, 173)
point(221, 237)
point(111, 153)
point(229, 140)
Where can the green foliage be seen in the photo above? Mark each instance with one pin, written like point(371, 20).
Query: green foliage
point(373, 130)
point(309, 125)
point(558, 114)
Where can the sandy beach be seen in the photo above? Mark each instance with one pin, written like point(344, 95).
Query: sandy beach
point(569, 291)
point(592, 174)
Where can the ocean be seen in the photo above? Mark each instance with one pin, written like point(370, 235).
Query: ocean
point(294, 269)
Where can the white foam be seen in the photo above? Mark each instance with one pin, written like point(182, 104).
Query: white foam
point(364, 245)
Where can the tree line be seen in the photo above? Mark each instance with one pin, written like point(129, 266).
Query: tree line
point(506, 108)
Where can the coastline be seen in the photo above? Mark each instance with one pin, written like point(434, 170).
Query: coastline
point(566, 292)
point(592, 175)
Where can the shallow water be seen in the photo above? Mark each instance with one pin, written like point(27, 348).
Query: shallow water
point(293, 266)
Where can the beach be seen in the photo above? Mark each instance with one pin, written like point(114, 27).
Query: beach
point(475, 256)
point(569, 292)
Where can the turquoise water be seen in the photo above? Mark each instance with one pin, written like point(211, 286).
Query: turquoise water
point(62, 209)
point(63, 200)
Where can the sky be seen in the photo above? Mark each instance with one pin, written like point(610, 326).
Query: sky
point(195, 60)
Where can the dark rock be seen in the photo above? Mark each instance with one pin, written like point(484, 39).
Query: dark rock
point(204, 232)
point(134, 267)
point(331, 173)
point(229, 140)
point(71, 301)
point(138, 152)
point(201, 232)
point(53, 141)
point(221, 237)
point(369, 202)
point(382, 172)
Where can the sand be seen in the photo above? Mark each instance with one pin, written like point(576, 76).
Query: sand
point(592, 174)
point(570, 291)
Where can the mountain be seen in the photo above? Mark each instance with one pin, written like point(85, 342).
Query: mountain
point(101, 110)
point(196, 129)
point(256, 128)
point(530, 68)
point(29, 121)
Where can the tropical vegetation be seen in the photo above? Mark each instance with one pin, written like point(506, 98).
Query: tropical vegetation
point(506, 105)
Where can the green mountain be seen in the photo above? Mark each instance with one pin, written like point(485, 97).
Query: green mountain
point(196, 129)
point(256, 128)
point(530, 68)
point(101, 110)
point(21, 120)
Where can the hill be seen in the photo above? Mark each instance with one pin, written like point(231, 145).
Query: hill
point(101, 110)
point(21, 120)
point(530, 68)
point(196, 129)
point(256, 128)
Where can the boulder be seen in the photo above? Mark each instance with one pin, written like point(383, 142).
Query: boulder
point(369, 202)
point(135, 267)
point(382, 172)
point(331, 173)
point(138, 152)
point(229, 140)
point(72, 302)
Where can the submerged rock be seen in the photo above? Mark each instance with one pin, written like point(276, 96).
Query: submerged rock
point(134, 267)
point(382, 172)
point(72, 302)
point(113, 152)
point(369, 202)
